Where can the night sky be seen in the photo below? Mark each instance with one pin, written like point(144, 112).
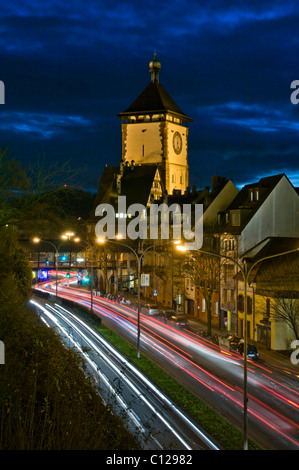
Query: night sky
point(69, 67)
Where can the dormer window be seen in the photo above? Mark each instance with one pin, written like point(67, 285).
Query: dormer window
point(254, 194)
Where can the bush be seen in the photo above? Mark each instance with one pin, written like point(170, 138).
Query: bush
point(14, 266)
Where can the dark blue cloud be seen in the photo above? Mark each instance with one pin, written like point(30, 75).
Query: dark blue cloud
point(70, 67)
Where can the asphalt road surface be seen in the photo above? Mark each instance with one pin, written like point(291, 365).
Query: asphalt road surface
point(155, 421)
point(214, 375)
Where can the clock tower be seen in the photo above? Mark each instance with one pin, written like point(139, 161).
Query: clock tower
point(155, 131)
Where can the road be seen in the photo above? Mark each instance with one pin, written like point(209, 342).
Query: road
point(155, 421)
point(213, 375)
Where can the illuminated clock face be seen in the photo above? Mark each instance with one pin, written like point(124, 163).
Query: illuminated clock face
point(177, 143)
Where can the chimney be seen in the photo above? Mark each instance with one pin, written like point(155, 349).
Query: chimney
point(217, 181)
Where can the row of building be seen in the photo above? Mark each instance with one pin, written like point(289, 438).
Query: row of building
point(241, 227)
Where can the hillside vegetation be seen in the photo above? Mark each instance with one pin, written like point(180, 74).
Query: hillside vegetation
point(46, 401)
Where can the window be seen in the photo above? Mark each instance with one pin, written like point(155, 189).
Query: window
point(241, 303)
point(249, 305)
point(229, 244)
point(235, 218)
point(267, 307)
point(203, 305)
point(228, 272)
point(254, 194)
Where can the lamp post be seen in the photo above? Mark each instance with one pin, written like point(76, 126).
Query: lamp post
point(37, 240)
point(69, 236)
point(92, 262)
point(139, 259)
point(245, 273)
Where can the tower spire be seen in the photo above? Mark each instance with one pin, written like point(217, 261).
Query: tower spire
point(155, 67)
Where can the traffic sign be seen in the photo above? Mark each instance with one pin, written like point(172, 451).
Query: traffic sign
point(145, 278)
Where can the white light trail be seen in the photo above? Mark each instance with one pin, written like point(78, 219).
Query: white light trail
point(127, 380)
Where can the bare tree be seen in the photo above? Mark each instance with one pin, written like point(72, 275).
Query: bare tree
point(26, 194)
point(286, 310)
point(278, 280)
point(204, 270)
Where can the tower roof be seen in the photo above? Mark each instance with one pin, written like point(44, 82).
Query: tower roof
point(154, 99)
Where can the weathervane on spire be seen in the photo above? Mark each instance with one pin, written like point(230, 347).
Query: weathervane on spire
point(155, 67)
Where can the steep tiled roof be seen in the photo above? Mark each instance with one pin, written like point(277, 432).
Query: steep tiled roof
point(249, 207)
point(266, 184)
point(137, 182)
point(107, 187)
point(283, 268)
point(154, 99)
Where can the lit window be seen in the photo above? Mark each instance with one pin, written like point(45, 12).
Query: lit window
point(236, 218)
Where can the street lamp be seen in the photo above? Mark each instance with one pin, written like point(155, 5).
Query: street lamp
point(245, 273)
point(69, 236)
point(77, 239)
point(56, 248)
point(139, 259)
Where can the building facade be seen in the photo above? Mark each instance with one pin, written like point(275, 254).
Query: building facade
point(261, 212)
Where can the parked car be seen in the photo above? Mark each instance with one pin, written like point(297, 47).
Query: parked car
point(252, 352)
point(237, 344)
point(178, 320)
point(151, 310)
point(167, 314)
